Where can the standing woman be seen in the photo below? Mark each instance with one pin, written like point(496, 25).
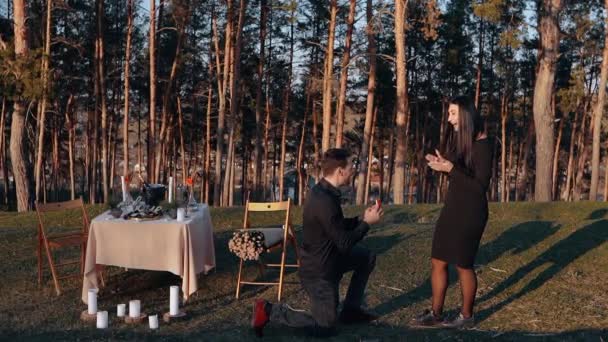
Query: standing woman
point(468, 164)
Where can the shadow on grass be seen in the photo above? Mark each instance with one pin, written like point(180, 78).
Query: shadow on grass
point(375, 332)
point(598, 214)
point(558, 257)
point(515, 239)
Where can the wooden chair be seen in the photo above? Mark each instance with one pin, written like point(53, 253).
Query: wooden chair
point(275, 239)
point(61, 240)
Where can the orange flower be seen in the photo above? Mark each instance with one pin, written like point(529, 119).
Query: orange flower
point(189, 181)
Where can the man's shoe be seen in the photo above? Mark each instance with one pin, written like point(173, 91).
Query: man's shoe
point(355, 316)
point(260, 317)
point(460, 322)
point(427, 319)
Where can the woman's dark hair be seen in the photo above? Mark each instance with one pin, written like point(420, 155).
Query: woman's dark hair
point(470, 124)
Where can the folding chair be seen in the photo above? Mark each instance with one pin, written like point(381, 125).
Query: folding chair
point(274, 239)
point(61, 240)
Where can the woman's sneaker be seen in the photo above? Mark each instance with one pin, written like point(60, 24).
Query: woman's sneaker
point(460, 322)
point(427, 319)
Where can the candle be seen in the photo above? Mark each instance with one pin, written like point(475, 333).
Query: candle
point(121, 309)
point(92, 301)
point(102, 319)
point(124, 188)
point(170, 189)
point(174, 301)
point(181, 214)
point(134, 308)
point(153, 320)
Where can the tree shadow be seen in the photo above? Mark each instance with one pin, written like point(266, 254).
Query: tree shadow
point(598, 214)
point(558, 256)
point(381, 244)
point(510, 240)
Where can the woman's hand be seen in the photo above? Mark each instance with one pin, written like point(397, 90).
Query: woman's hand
point(438, 163)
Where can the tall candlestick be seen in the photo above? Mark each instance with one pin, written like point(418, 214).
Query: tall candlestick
point(174, 301)
point(92, 301)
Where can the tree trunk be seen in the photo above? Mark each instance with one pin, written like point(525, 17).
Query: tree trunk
point(69, 121)
point(370, 157)
point(369, 110)
point(152, 118)
point(344, 71)
point(3, 166)
point(548, 31)
point(299, 168)
point(520, 153)
point(208, 144)
point(283, 150)
point(167, 95)
point(18, 145)
point(45, 95)
point(570, 167)
point(381, 152)
point(511, 167)
point(182, 150)
point(503, 148)
point(578, 183)
point(266, 148)
point(225, 198)
point(479, 66)
point(315, 142)
point(286, 113)
point(402, 101)
point(581, 157)
point(257, 152)
point(234, 96)
point(391, 164)
point(598, 114)
point(104, 109)
point(232, 177)
point(328, 76)
point(554, 194)
point(125, 128)
point(222, 102)
point(523, 182)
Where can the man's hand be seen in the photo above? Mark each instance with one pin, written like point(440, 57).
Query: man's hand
point(373, 214)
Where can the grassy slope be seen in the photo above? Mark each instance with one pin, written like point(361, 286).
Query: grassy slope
point(542, 276)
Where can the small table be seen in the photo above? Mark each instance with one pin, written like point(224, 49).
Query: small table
point(183, 248)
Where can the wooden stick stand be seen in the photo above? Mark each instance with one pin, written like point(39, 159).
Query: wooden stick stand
point(168, 318)
point(86, 317)
point(135, 320)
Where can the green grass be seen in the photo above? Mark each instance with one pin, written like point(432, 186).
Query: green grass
point(542, 276)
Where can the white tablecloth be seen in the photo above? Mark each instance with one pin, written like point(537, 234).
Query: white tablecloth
point(182, 248)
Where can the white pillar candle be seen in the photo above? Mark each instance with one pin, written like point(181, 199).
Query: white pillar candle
point(134, 308)
point(124, 188)
point(153, 320)
point(174, 301)
point(102, 319)
point(121, 310)
point(170, 189)
point(92, 301)
point(181, 214)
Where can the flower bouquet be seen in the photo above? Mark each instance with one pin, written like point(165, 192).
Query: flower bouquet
point(247, 244)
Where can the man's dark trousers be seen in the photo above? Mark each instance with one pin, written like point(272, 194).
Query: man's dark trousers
point(324, 295)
